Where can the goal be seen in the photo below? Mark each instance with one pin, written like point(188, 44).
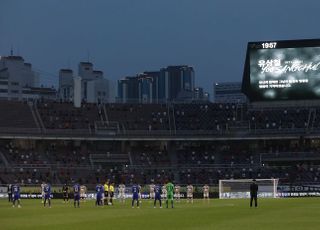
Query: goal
point(240, 188)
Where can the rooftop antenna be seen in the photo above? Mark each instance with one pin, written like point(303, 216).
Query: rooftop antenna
point(88, 56)
point(11, 51)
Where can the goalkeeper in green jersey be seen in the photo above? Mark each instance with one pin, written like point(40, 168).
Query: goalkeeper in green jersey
point(170, 191)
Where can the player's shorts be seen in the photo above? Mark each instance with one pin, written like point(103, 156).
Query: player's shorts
point(157, 197)
point(42, 194)
point(16, 196)
point(189, 195)
point(111, 194)
point(135, 196)
point(170, 196)
point(121, 194)
point(152, 194)
point(65, 195)
point(177, 195)
point(76, 197)
point(47, 196)
point(99, 197)
point(206, 195)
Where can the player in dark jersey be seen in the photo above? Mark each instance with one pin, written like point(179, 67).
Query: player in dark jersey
point(76, 195)
point(135, 195)
point(65, 191)
point(16, 195)
point(47, 194)
point(99, 194)
point(157, 195)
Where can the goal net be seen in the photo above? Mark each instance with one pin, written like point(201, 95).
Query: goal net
point(241, 188)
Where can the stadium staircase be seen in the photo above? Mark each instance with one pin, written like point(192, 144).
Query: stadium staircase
point(4, 160)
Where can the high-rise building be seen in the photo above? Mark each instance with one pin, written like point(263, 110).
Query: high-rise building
point(66, 84)
point(168, 84)
point(18, 81)
point(174, 80)
point(94, 87)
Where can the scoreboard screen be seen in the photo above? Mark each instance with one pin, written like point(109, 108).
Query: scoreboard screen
point(282, 70)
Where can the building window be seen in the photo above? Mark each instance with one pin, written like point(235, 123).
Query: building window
point(14, 83)
point(3, 91)
point(3, 83)
point(14, 91)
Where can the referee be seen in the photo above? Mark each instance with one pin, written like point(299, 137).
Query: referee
point(254, 193)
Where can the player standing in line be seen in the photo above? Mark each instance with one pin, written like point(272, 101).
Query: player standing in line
point(99, 194)
point(111, 193)
point(170, 191)
point(254, 193)
point(83, 193)
point(140, 196)
point(151, 191)
point(16, 195)
point(177, 192)
point(47, 194)
point(9, 191)
point(122, 195)
point(190, 193)
point(206, 189)
point(157, 191)
point(65, 191)
point(164, 191)
point(106, 193)
point(135, 195)
point(76, 195)
point(42, 191)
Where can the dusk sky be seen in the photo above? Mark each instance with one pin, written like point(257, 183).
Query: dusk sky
point(125, 37)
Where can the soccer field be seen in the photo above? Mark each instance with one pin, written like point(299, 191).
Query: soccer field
point(296, 213)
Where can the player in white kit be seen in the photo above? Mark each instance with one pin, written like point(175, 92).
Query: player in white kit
point(83, 192)
point(122, 191)
point(177, 192)
point(164, 192)
point(206, 189)
point(151, 191)
point(42, 191)
point(190, 193)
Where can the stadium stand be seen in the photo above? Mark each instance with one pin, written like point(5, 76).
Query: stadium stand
point(127, 157)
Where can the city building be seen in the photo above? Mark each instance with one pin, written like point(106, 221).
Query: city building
point(18, 81)
point(94, 87)
point(228, 92)
point(173, 83)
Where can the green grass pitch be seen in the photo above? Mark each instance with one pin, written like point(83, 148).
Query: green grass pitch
point(274, 214)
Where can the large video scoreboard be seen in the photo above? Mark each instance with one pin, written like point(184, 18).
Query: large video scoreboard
point(282, 70)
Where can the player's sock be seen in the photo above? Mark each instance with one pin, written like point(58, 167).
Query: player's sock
point(160, 203)
point(167, 203)
point(171, 203)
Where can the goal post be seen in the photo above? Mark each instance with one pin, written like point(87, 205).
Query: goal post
point(240, 188)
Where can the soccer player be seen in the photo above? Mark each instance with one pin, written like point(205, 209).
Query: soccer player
point(177, 192)
point(106, 192)
point(254, 193)
point(65, 191)
point(190, 193)
point(157, 195)
point(111, 193)
point(42, 191)
point(9, 188)
point(206, 192)
point(170, 191)
point(151, 191)
point(16, 195)
point(76, 195)
point(122, 190)
point(83, 191)
point(47, 194)
point(99, 194)
point(164, 191)
point(135, 195)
